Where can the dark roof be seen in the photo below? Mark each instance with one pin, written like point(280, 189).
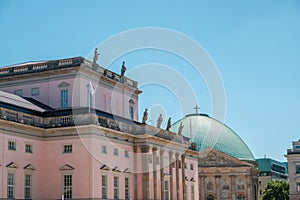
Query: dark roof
point(18, 101)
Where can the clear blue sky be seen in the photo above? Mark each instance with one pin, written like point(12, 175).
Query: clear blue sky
point(255, 45)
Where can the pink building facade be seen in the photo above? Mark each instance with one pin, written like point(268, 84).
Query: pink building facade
point(70, 130)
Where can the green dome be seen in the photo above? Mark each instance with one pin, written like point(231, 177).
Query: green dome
point(207, 132)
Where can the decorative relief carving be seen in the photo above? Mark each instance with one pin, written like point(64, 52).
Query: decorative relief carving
point(225, 184)
point(214, 159)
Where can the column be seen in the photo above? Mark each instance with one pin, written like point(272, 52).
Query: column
point(177, 175)
point(232, 180)
point(171, 173)
point(218, 187)
point(135, 170)
point(162, 183)
point(183, 175)
point(249, 187)
point(202, 187)
point(145, 171)
point(154, 149)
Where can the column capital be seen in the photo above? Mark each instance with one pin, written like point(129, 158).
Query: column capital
point(135, 148)
point(183, 157)
point(218, 176)
point(145, 148)
point(162, 151)
point(154, 149)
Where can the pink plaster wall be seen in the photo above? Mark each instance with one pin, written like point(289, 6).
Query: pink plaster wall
point(21, 159)
point(115, 101)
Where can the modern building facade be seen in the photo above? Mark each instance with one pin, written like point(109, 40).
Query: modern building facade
point(293, 157)
point(70, 127)
point(270, 169)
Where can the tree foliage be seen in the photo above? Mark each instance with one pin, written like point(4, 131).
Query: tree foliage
point(275, 190)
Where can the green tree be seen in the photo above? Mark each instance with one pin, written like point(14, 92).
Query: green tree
point(276, 190)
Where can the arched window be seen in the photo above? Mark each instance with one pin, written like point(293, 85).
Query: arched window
point(210, 197)
point(241, 197)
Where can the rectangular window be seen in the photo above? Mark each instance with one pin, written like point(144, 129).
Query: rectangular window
point(192, 192)
point(28, 148)
point(10, 185)
point(297, 169)
point(116, 187)
point(104, 186)
point(116, 151)
point(19, 92)
point(35, 91)
point(185, 166)
point(64, 98)
point(27, 188)
point(126, 154)
point(166, 190)
point(67, 189)
point(191, 166)
point(127, 193)
point(131, 112)
point(103, 149)
point(67, 148)
point(179, 164)
point(12, 145)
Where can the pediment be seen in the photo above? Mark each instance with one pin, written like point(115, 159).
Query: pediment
point(66, 167)
point(212, 157)
point(12, 165)
point(105, 167)
point(29, 167)
point(64, 84)
point(127, 171)
point(116, 169)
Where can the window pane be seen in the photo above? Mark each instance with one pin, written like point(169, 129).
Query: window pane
point(116, 187)
point(67, 186)
point(104, 185)
point(64, 98)
point(127, 195)
point(10, 185)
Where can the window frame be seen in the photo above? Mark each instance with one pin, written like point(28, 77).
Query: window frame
point(66, 148)
point(104, 149)
point(127, 188)
point(66, 188)
point(18, 92)
point(11, 185)
point(126, 154)
point(27, 186)
point(116, 187)
point(104, 194)
point(35, 91)
point(64, 98)
point(30, 150)
point(11, 147)
point(116, 152)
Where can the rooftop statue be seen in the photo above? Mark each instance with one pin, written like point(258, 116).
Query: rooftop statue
point(181, 126)
point(159, 121)
point(145, 116)
point(123, 69)
point(95, 59)
point(169, 124)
